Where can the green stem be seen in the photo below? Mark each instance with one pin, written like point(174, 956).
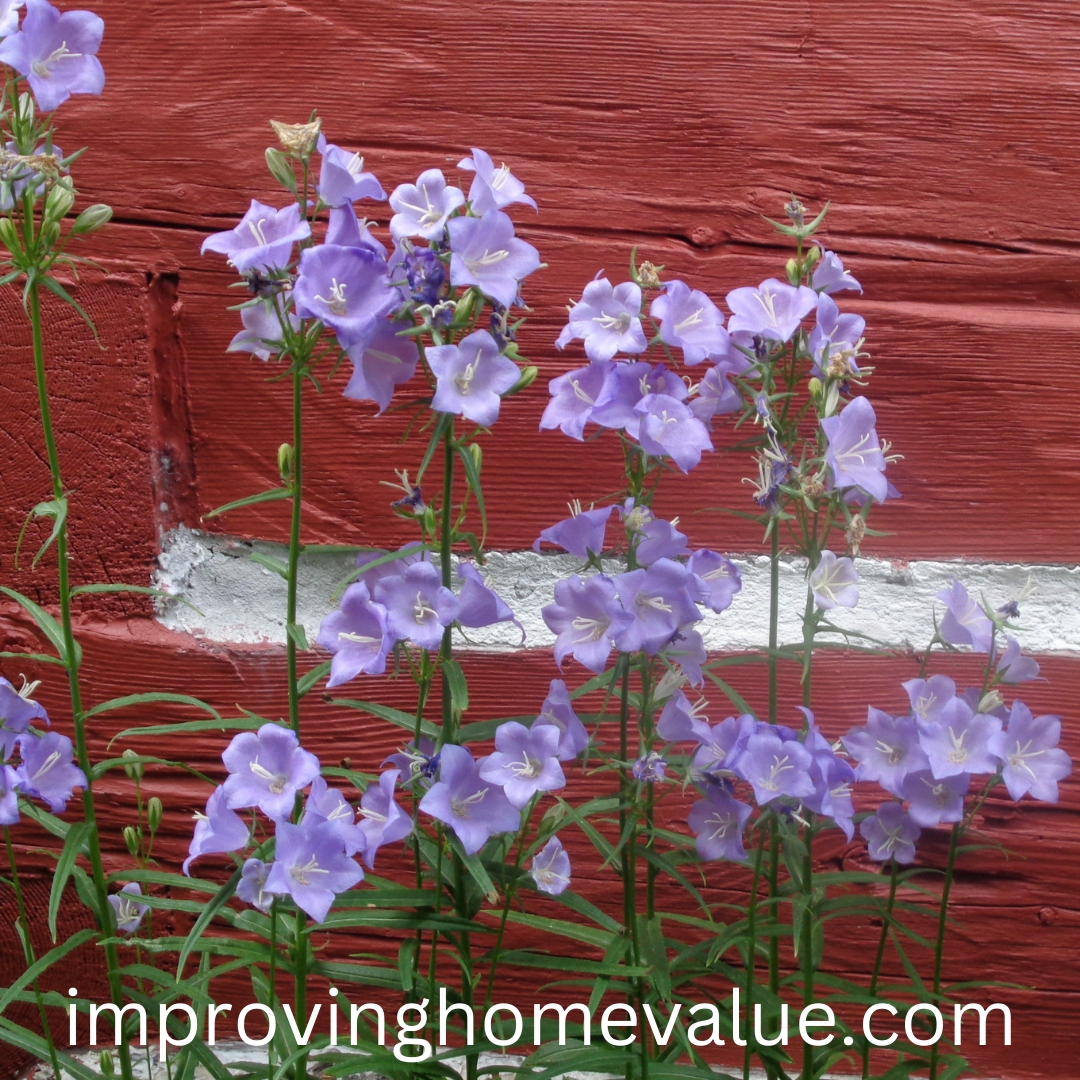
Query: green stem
point(806, 944)
point(885, 923)
point(300, 984)
point(297, 481)
point(508, 896)
point(774, 619)
point(272, 979)
point(751, 952)
point(939, 948)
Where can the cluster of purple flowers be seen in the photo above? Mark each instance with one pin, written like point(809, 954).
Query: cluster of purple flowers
point(314, 854)
point(371, 299)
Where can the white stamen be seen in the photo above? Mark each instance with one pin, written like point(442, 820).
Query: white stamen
point(336, 300)
point(41, 67)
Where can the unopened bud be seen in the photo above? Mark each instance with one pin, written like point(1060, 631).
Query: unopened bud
point(814, 386)
point(136, 769)
point(991, 701)
point(464, 308)
point(812, 257)
point(554, 815)
point(105, 1063)
point(91, 219)
point(297, 140)
point(430, 525)
point(9, 236)
point(526, 379)
point(132, 839)
point(285, 461)
point(477, 454)
point(58, 202)
point(281, 169)
point(792, 269)
point(49, 234)
point(153, 813)
point(26, 108)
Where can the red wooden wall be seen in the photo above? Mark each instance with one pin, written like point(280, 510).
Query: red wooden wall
point(945, 135)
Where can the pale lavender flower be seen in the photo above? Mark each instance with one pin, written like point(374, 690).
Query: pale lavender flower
point(252, 885)
point(474, 808)
point(325, 803)
point(669, 428)
point(525, 761)
point(690, 321)
point(421, 209)
point(418, 605)
point(264, 238)
point(716, 394)
point(267, 768)
point(261, 335)
point(834, 582)
point(659, 539)
point(886, 749)
point(1028, 750)
point(415, 553)
point(492, 188)
point(627, 387)
point(484, 252)
point(55, 53)
point(829, 275)
point(357, 635)
point(471, 375)
point(311, 866)
point(832, 778)
point(929, 696)
point(380, 363)
point(558, 712)
point(342, 178)
point(964, 621)
point(834, 333)
point(958, 741)
point(681, 720)
point(659, 603)
point(550, 868)
point(714, 580)
point(773, 310)
point(607, 318)
point(129, 912)
point(9, 796)
point(47, 771)
point(217, 831)
point(649, 768)
point(774, 766)
point(890, 834)
point(720, 745)
point(854, 453)
point(382, 821)
point(17, 710)
point(574, 396)
point(585, 617)
point(9, 16)
point(479, 604)
point(687, 649)
point(580, 534)
point(719, 822)
point(1013, 667)
point(344, 229)
point(933, 801)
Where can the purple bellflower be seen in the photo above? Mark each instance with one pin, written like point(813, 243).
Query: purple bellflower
point(585, 617)
point(484, 252)
point(835, 582)
point(890, 834)
point(1028, 749)
point(964, 621)
point(17, 709)
point(311, 866)
point(267, 768)
point(217, 831)
point(9, 795)
point(719, 822)
point(252, 885)
point(774, 766)
point(687, 649)
point(263, 240)
point(669, 428)
point(659, 539)
point(407, 555)
point(471, 377)
point(574, 397)
point(659, 603)
point(720, 745)
point(56, 53)
point(854, 453)
point(342, 178)
point(933, 801)
point(47, 771)
point(419, 762)
point(715, 579)
point(424, 273)
point(608, 318)
point(1013, 667)
point(649, 768)
point(479, 604)
point(382, 821)
point(357, 636)
point(681, 720)
point(690, 321)
point(129, 912)
point(830, 276)
point(473, 807)
point(9, 16)
point(580, 534)
point(834, 333)
point(525, 761)
point(832, 777)
point(421, 209)
point(418, 605)
point(773, 310)
point(558, 712)
point(550, 868)
point(325, 803)
point(929, 696)
point(886, 749)
point(958, 741)
point(261, 335)
point(492, 188)
point(716, 394)
point(344, 229)
point(380, 363)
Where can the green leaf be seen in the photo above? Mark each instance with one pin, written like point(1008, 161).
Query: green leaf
point(472, 473)
point(43, 964)
point(203, 921)
point(74, 846)
point(57, 289)
point(144, 699)
point(459, 687)
point(732, 694)
point(30, 1041)
point(263, 496)
point(56, 509)
point(444, 425)
point(307, 683)
point(143, 589)
point(393, 716)
point(46, 623)
point(297, 636)
point(38, 658)
point(271, 562)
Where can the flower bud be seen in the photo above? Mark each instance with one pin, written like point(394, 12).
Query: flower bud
point(49, 234)
point(58, 202)
point(793, 274)
point(528, 377)
point(91, 219)
point(477, 454)
point(136, 770)
point(105, 1063)
point(26, 108)
point(132, 838)
point(280, 169)
point(285, 461)
point(297, 140)
point(991, 701)
point(814, 386)
point(9, 236)
point(153, 813)
point(553, 816)
point(464, 308)
point(811, 259)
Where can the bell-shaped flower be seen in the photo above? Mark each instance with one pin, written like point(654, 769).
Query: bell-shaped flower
point(690, 321)
point(716, 394)
point(311, 866)
point(834, 582)
point(958, 741)
point(251, 887)
point(380, 363)
point(1028, 751)
point(473, 807)
point(854, 453)
point(832, 777)
point(832, 332)
point(492, 188)
point(929, 696)
point(264, 238)
point(964, 621)
point(933, 801)
point(471, 377)
point(659, 539)
point(407, 555)
point(669, 428)
point(550, 868)
point(9, 795)
point(658, 602)
point(344, 229)
point(886, 749)
point(774, 767)
point(128, 911)
point(719, 821)
point(574, 398)
point(416, 762)
point(261, 335)
point(558, 712)
point(347, 288)
point(9, 16)
point(479, 604)
point(628, 386)
point(382, 821)
point(47, 771)
point(890, 834)
point(17, 710)
point(218, 831)
point(829, 275)
point(719, 746)
point(418, 605)
point(607, 318)
point(357, 636)
point(681, 720)
point(581, 534)
point(484, 252)
point(585, 616)
point(342, 178)
point(687, 649)
point(325, 803)
point(1013, 667)
point(56, 53)
point(773, 310)
point(714, 580)
point(525, 761)
point(267, 769)
point(421, 209)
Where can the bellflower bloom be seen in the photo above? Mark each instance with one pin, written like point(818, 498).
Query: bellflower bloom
point(681, 720)
point(721, 744)
point(421, 209)
point(690, 321)
point(835, 582)
point(574, 396)
point(580, 534)
point(393, 568)
point(886, 749)
point(854, 453)
point(47, 771)
point(56, 53)
point(9, 16)
point(627, 386)
point(832, 777)
point(1013, 667)
point(129, 912)
point(774, 766)
point(380, 363)
point(474, 808)
point(558, 712)
point(492, 188)
point(687, 649)
point(357, 636)
point(16, 712)
point(263, 240)
point(9, 796)
point(659, 603)
point(669, 428)
point(550, 868)
point(929, 696)
point(267, 768)
point(1028, 749)
point(261, 335)
point(585, 617)
point(252, 885)
point(608, 318)
point(890, 834)
point(525, 761)
point(719, 822)
point(471, 375)
point(833, 329)
point(716, 394)
point(964, 621)
point(660, 539)
point(382, 821)
point(342, 178)
point(311, 866)
point(325, 803)
point(714, 580)
point(935, 801)
point(829, 275)
point(217, 831)
point(416, 762)
point(418, 605)
point(479, 604)
point(773, 310)
point(958, 741)
point(344, 230)
point(484, 252)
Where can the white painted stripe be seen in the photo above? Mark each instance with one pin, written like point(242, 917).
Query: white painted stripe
point(243, 602)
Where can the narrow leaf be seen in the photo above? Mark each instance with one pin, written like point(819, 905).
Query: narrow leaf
point(263, 496)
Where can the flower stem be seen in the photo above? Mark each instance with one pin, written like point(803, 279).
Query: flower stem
point(751, 949)
point(806, 945)
point(939, 948)
point(297, 479)
point(885, 922)
point(774, 619)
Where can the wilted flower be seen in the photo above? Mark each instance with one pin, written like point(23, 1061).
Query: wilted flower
point(129, 912)
point(649, 768)
point(551, 868)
